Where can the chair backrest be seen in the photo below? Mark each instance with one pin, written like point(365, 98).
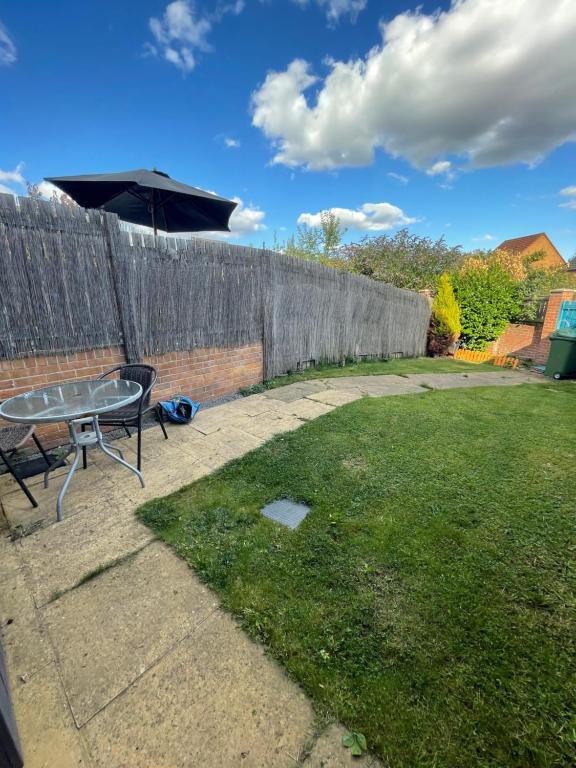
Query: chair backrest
point(143, 374)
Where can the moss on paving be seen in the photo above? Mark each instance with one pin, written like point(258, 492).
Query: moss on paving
point(428, 598)
point(399, 367)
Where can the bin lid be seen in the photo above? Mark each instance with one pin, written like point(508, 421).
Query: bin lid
point(568, 334)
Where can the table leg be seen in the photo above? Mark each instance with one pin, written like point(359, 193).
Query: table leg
point(104, 447)
point(77, 442)
point(55, 464)
point(74, 447)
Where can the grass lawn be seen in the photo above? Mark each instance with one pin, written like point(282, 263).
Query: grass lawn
point(428, 598)
point(372, 368)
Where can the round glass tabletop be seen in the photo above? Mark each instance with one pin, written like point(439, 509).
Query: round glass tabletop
point(72, 400)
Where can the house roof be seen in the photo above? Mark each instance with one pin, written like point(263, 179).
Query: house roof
point(519, 244)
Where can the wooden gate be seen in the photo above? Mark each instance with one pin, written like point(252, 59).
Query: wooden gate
point(567, 316)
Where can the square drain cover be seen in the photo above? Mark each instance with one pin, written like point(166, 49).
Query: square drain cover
point(286, 512)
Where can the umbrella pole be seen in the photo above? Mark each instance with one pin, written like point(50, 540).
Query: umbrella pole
point(153, 212)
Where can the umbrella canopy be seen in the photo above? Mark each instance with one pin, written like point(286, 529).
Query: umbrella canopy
point(150, 198)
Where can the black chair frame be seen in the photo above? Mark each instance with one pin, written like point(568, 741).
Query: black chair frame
point(6, 457)
point(144, 407)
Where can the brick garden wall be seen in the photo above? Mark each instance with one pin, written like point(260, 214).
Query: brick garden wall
point(532, 342)
point(205, 374)
point(523, 341)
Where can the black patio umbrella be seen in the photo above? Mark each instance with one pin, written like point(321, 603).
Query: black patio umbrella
point(150, 198)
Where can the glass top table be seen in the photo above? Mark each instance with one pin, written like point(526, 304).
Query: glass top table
point(78, 403)
point(73, 400)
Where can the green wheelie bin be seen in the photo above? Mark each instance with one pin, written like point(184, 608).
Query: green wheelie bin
point(562, 358)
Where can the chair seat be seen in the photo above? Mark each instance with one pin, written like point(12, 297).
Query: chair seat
point(128, 413)
point(13, 436)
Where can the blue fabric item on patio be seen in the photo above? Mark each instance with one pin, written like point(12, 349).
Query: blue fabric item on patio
point(180, 409)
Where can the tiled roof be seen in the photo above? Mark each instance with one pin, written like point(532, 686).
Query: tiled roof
point(519, 244)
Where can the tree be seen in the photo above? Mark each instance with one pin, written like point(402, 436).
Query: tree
point(405, 260)
point(488, 298)
point(317, 243)
point(445, 324)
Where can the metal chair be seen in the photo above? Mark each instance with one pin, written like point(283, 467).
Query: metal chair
point(131, 415)
point(13, 437)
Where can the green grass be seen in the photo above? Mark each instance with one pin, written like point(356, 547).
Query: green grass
point(400, 367)
point(427, 600)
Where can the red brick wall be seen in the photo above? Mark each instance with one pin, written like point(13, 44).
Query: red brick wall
point(532, 342)
point(205, 374)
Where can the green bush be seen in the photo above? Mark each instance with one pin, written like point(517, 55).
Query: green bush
point(445, 324)
point(445, 309)
point(403, 259)
point(488, 298)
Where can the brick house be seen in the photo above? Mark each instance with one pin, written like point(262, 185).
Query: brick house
point(529, 244)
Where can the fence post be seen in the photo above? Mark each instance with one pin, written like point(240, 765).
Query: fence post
point(132, 347)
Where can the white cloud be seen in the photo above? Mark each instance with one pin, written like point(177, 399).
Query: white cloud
point(484, 238)
point(178, 33)
point(181, 31)
point(48, 190)
point(245, 220)
point(7, 47)
point(569, 192)
point(370, 217)
point(337, 8)
point(12, 177)
point(231, 143)
point(398, 176)
point(439, 168)
point(472, 82)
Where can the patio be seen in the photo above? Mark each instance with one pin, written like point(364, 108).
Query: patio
point(117, 654)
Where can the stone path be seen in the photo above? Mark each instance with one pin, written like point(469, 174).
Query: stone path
point(118, 656)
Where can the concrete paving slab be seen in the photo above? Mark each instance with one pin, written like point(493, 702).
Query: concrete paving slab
point(173, 467)
point(328, 752)
point(307, 409)
point(335, 397)
point(49, 738)
point(240, 437)
point(110, 630)
point(266, 404)
point(19, 511)
point(361, 382)
point(10, 562)
point(473, 379)
point(216, 700)
point(296, 391)
point(26, 643)
point(56, 558)
point(266, 428)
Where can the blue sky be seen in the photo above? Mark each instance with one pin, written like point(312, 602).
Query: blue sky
point(453, 119)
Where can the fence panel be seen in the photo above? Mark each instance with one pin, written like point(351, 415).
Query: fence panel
point(315, 312)
point(73, 279)
point(185, 294)
point(56, 287)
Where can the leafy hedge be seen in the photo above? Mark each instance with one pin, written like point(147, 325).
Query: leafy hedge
point(488, 299)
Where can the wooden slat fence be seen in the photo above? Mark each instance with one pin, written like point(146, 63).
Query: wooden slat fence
point(73, 279)
point(472, 356)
